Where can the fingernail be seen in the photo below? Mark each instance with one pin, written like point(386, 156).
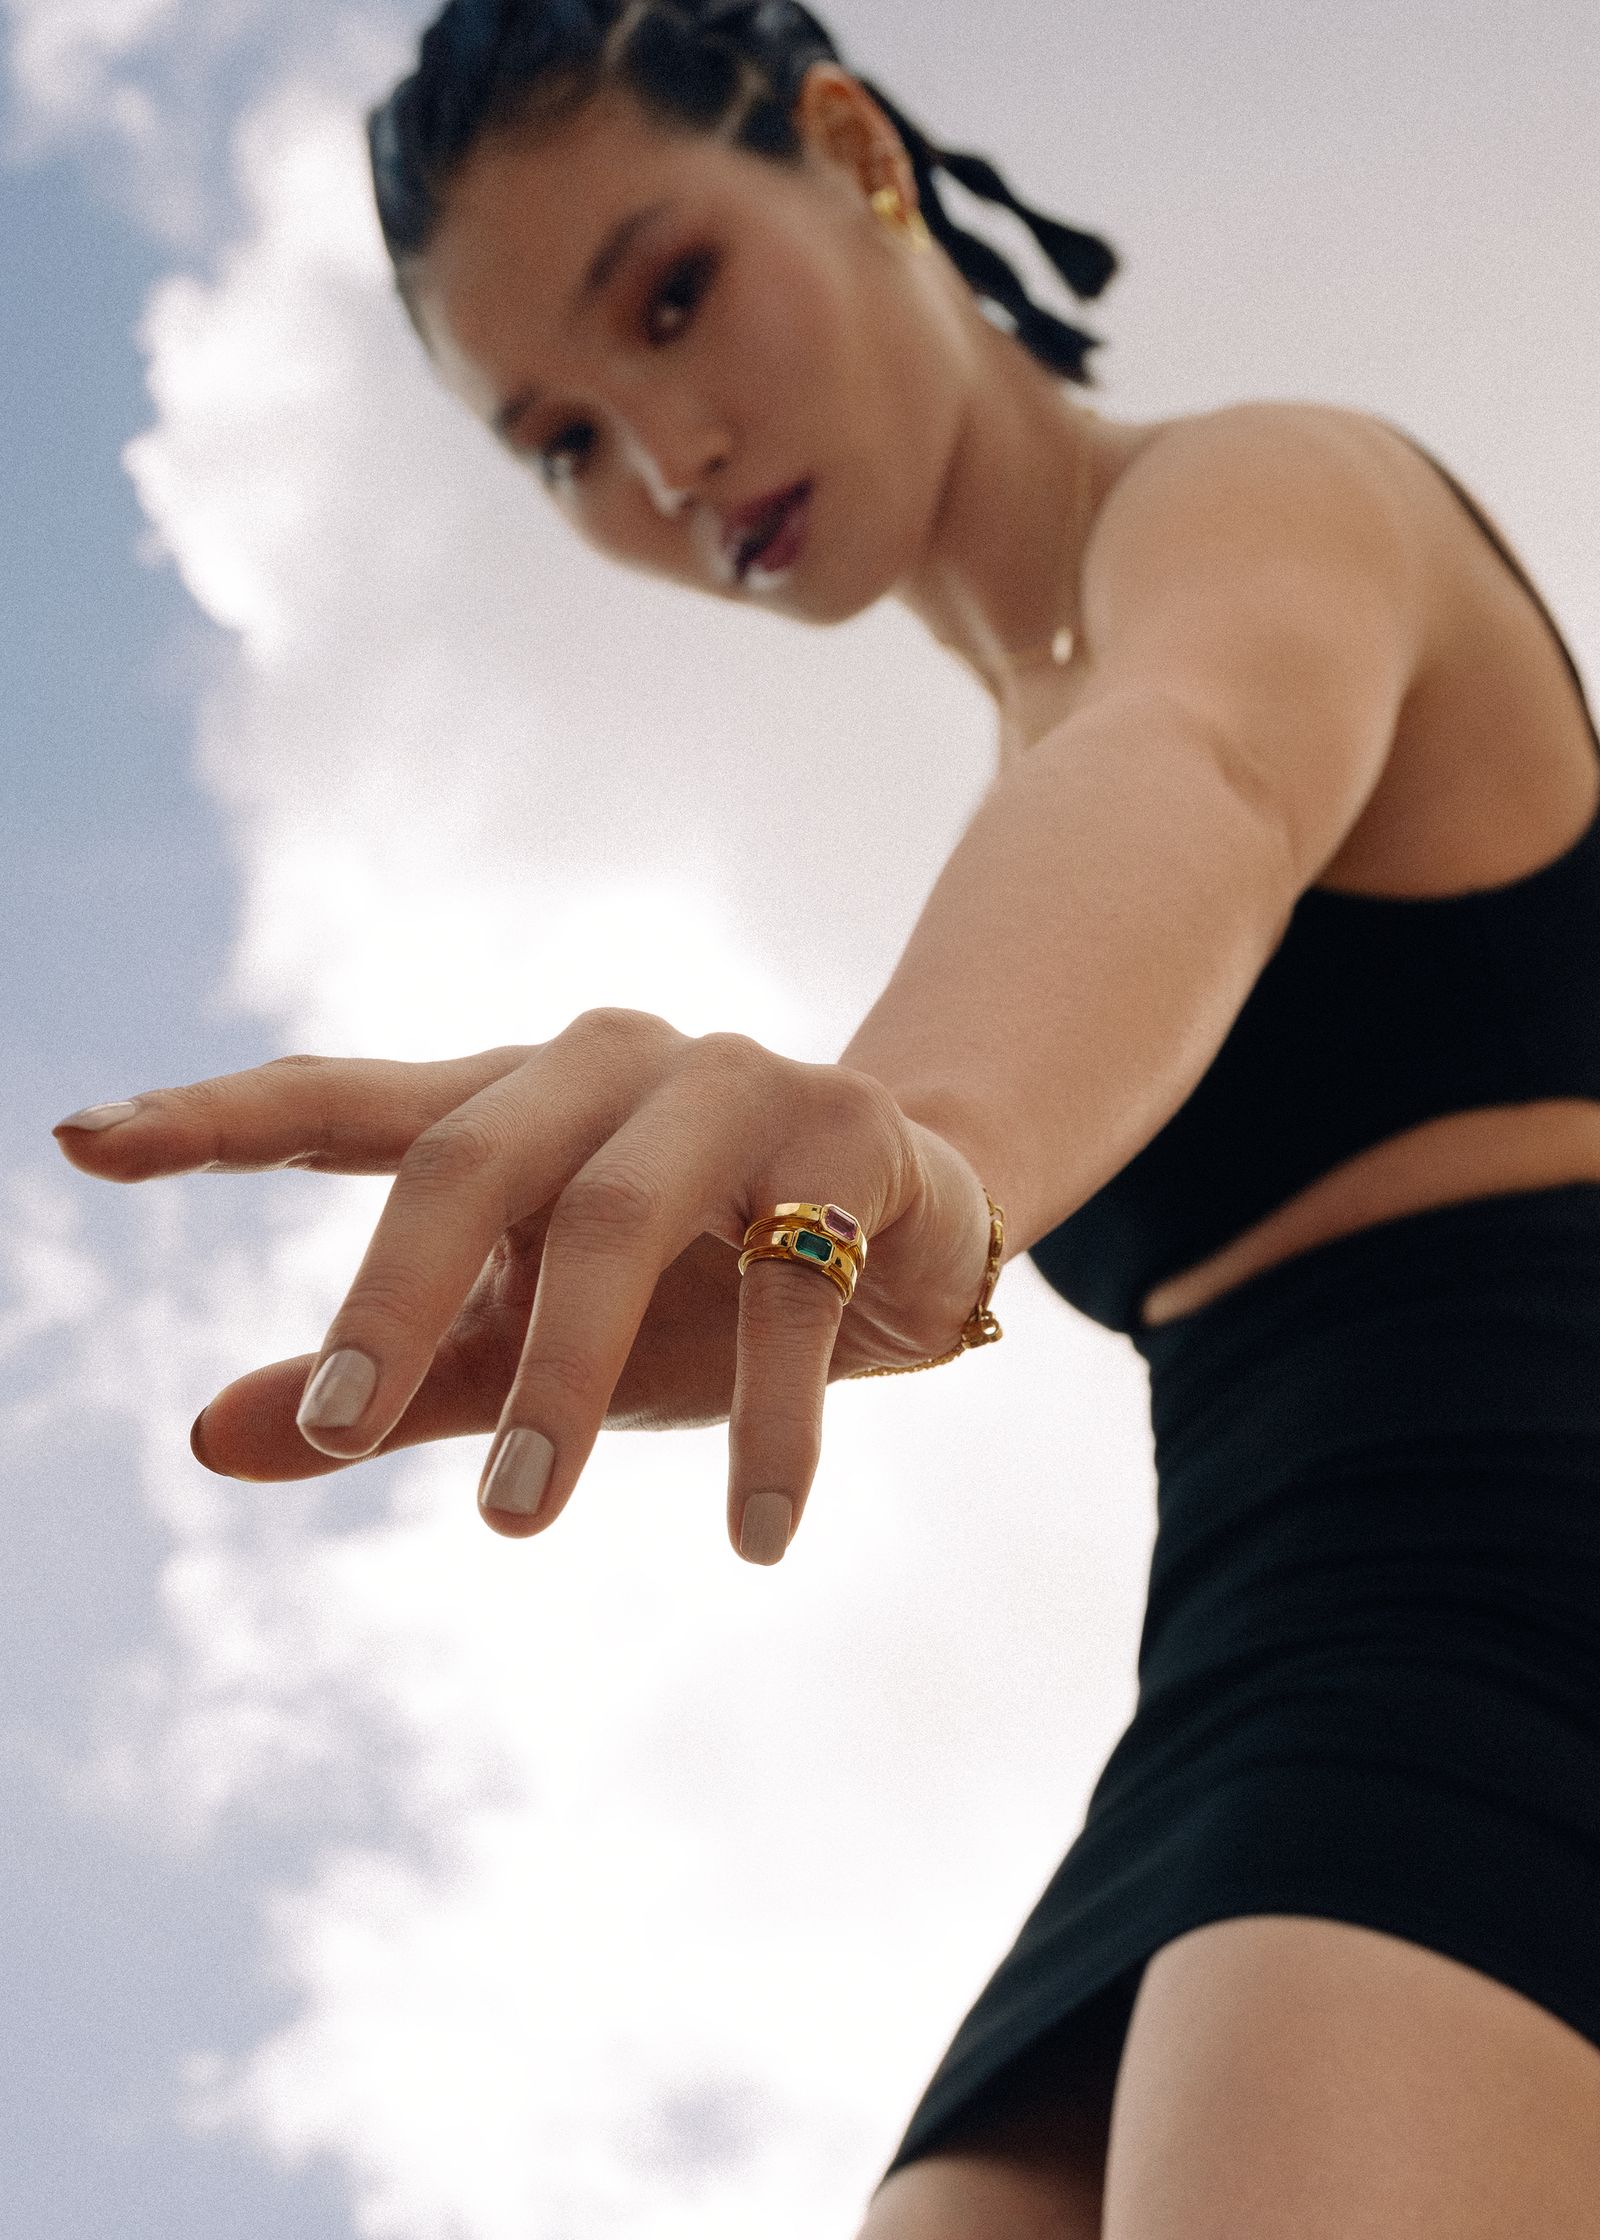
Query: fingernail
point(338, 1394)
point(518, 1472)
point(764, 1532)
point(94, 1116)
point(194, 1440)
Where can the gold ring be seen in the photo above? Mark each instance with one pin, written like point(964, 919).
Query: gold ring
point(819, 1236)
point(831, 1220)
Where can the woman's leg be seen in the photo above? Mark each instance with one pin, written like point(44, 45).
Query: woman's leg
point(976, 2196)
point(1291, 2075)
point(1027, 2160)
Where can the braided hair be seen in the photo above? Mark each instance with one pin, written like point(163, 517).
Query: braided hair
point(734, 67)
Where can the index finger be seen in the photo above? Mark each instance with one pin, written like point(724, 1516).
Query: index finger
point(328, 1115)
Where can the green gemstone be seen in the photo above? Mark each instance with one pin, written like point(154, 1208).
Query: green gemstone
point(812, 1247)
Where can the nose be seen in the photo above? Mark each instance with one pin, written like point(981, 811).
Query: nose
point(673, 474)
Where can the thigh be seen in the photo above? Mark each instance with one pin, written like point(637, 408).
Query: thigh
point(968, 2194)
point(1284, 2073)
point(1027, 2157)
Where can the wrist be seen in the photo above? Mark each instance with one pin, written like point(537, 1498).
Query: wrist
point(949, 1119)
point(965, 1209)
point(950, 1187)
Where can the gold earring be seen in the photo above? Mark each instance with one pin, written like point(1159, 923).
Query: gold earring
point(890, 205)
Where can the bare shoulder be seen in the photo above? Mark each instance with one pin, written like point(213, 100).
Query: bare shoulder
point(1261, 514)
point(1270, 454)
point(1262, 567)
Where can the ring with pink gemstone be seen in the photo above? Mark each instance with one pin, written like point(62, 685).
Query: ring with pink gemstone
point(823, 1236)
point(831, 1220)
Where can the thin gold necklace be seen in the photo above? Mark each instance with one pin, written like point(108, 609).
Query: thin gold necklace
point(1064, 644)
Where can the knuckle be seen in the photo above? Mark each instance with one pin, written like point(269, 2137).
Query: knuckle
point(611, 1027)
point(452, 1151)
point(314, 1095)
point(777, 1440)
point(607, 1203)
point(736, 1073)
point(726, 1052)
point(862, 1104)
point(387, 1303)
point(836, 1121)
point(870, 1115)
point(556, 1373)
point(779, 1300)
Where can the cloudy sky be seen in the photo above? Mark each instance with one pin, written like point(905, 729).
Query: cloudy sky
point(362, 1873)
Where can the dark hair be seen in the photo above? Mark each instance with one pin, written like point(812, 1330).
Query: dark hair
point(734, 66)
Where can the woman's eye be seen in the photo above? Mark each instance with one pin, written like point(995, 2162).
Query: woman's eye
point(576, 440)
point(682, 293)
point(562, 458)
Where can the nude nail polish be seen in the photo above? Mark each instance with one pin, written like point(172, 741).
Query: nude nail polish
point(519, 1471)
point(338, 1394)
point(94, 1117)
point(765, 1529)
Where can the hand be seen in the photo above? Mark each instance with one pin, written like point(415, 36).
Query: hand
point(560, 1249)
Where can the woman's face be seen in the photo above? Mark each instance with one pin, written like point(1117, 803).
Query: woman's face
point(670, 329)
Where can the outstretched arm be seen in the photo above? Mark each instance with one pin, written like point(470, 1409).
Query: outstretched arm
point(1252, 606)
point(540, 1267)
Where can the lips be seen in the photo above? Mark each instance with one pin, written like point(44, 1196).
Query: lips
point(758, 526)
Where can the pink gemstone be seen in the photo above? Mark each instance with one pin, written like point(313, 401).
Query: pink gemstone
point(840, 1224)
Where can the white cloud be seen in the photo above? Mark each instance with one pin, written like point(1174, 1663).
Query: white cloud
point(143, 91)
point(649, 1886)
point(66, 54)
point(52, 1278)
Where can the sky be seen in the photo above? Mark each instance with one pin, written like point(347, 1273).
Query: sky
point(364, 1874)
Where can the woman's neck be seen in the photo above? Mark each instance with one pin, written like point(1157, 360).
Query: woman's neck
point(998, 585)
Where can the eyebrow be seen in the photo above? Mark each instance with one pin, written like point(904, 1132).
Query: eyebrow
point(607, 258)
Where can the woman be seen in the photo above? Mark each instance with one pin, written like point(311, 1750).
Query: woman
point(1256, 1002)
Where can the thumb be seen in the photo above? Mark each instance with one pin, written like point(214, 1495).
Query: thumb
point(249, 1430)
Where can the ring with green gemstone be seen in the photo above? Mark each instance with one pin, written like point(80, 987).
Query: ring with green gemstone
point(820, 1236)
point(828, 1221)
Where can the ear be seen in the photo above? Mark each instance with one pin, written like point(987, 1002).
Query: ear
point(840, 122)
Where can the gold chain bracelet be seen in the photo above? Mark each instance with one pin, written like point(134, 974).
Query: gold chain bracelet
point(981, 1328)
